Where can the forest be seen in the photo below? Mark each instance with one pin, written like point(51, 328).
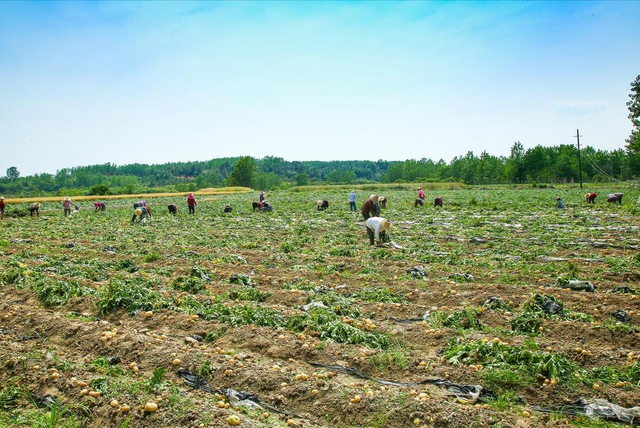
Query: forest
point(537, 165)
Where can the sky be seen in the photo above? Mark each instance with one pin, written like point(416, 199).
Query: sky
point(85, 83)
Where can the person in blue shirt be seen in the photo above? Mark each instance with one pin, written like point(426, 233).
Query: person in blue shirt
point(559, 203)
point(352, 201)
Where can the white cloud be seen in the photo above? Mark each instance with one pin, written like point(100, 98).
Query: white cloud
point(577, 108)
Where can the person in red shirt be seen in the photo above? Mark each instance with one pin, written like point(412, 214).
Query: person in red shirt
point(2, 206)
point(590, 198)
point(191, 202)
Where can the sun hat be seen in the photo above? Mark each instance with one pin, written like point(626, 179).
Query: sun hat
point(1, 198)
point(67, 199)
point(386, 224)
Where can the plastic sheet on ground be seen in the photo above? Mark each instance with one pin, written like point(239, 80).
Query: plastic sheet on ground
point(417, 272)
point(235, 398)
point(463, 393)
point(198, 273)
point(576, 285)
point(464, 276)
point(493, 301)
point(423, 318)
point(622, 316)
point(312, 305)
point(241, 279)
point(597, 409)
point(550, 307)
point(623, 290)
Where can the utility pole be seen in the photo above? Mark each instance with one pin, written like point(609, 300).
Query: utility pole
point(579, 161)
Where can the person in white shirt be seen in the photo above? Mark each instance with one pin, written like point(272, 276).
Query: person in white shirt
point(376, 229)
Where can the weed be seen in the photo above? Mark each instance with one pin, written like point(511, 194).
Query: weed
point(101, 365)
point(302, 287)
point(389, 360)
point(155, 382)
point(151, 257)
point(100, 384)
point(214, 335)
point(342, 252)
point(9, 397)
point(288, 247)
point(612, 375)
point(248, 293)
point(378, 294)
point(76, 316)
point(614, 325)
point(55, 416)
point(205, 369)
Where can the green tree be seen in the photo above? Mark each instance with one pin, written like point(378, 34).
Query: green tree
point(13, 173)
point(244, 173)
point(633, 142)
point(302, 179)
point(99, 189)
point(268, 180)
point(514, 169)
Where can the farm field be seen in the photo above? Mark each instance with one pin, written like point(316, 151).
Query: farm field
point(103, 316)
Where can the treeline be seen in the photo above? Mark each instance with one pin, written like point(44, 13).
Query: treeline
point(557, 164)
point(536, 165)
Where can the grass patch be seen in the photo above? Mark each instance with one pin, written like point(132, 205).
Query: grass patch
point(389, 360)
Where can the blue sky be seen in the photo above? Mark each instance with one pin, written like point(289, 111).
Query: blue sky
point(152, 82)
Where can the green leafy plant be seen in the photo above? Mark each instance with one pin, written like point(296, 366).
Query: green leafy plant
point(378, 294)
point(466, 319)
point(248, 293)
point(129, 296)
point(526, 359)
point(155, 382)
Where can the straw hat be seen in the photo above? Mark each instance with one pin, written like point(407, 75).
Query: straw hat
point(386, 224)
point(1, 198)
point(138, 212)
point(67, 199)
